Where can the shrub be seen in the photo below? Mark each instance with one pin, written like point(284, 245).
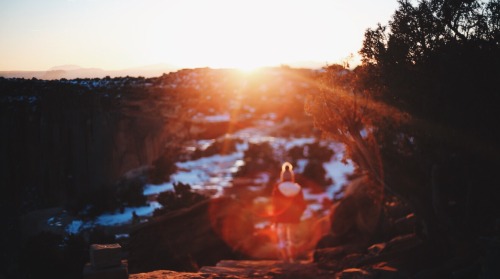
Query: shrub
point(258, 157)
point(181, 197)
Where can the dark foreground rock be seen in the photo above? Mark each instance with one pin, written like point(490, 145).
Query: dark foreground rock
point(381, 260)
point(245, 269)
point(268, 269)
point(187, 239)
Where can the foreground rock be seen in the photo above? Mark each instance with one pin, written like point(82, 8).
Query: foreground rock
point(245, 269)
point(381, 260)
point(187, 239)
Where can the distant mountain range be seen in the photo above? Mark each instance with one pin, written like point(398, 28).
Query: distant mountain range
point(74, 71)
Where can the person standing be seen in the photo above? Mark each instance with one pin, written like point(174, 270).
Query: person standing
point(288, 207)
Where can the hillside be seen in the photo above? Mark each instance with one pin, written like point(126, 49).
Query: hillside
point(179, 170)
point(99, 149)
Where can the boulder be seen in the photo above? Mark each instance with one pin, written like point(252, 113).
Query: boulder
point(115, 272)
point(105, 255)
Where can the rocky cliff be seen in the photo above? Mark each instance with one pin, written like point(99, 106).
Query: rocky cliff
point(61, 140)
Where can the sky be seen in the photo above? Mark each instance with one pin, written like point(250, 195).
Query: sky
point(37, 35)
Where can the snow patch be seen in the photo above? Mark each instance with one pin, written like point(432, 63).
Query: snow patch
point(117, 218)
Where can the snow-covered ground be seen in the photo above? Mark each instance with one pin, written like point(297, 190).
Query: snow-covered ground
point(215, 173)
point(113, 218)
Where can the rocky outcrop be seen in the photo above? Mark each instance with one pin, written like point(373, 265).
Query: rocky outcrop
point(189, 238)
point(62, 140)
point(245, 269)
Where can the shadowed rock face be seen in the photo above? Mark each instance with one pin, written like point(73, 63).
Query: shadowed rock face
point(186, 239)
point(62, 140)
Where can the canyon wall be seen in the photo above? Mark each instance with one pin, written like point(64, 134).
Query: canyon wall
point(60, 140)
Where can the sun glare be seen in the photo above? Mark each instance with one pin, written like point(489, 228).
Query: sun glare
point(245, 66)
point(248, 69)
point(245, 34)
point(239, 39)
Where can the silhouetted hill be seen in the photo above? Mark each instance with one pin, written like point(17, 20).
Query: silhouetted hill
point(75, 71)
